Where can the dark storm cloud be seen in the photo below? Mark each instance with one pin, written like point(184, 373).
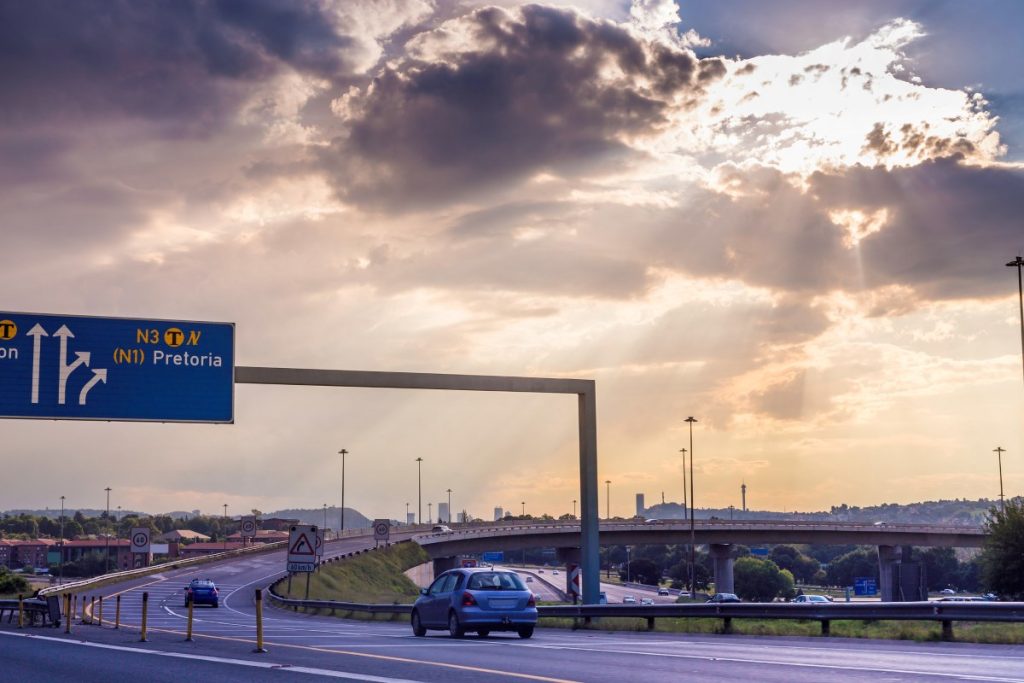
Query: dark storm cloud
point(531, 94)
point(949, 228)
point(184, 63)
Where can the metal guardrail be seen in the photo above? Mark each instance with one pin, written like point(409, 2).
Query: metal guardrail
point(945, 613)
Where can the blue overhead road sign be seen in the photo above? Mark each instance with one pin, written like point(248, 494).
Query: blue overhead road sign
point(66, 367)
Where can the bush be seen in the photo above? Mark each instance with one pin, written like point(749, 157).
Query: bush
point(1002, 560)
point(12, 583)
point(761, 580)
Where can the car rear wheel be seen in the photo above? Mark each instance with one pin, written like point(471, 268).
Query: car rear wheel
point(526, 632)
point(455, 629)
point(417, 627)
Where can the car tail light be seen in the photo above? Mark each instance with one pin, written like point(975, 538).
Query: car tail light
point(468, 600)
point(532, 602)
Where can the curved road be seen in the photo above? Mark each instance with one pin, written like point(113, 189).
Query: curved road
point(323, 647)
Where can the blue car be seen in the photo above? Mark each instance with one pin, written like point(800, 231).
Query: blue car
point(202, 592)
point(475, 599)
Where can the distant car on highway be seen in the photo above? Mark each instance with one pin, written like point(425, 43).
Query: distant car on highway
point(948, 591)
point(555, 572)
point(959, 598)
point(724, 597)
point(646, 601)
point(990, 596)
point(202, 592)
point(811, 599)
point(662, 591)
point(441, 529)
point(475, 599)
point(529, 579)
point(629, 599)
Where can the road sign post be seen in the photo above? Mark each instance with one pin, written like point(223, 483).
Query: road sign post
point(302, 548)
point(64, 367)
point(247, 528)
point(381, 530)
point(140, 547)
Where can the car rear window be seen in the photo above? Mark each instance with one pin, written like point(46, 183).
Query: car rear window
point(495, 581)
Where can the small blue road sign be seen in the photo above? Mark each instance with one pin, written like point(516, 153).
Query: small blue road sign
point(759, 552)
point(493, 556)
point(63, 367)
point(864, 585)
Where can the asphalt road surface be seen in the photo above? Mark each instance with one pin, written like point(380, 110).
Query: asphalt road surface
point(322, 647)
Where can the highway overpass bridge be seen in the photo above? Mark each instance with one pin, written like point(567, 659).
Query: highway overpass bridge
point(718, 535)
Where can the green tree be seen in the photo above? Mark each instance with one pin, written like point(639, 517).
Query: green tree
point(642, 571)
point(11, 583)
point(761, 580)
point(844, 569)
point(1002, 559)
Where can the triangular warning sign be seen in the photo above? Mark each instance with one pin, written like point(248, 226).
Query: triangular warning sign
point(302, 546)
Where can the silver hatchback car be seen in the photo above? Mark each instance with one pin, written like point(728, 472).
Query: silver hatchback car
point(475, 599)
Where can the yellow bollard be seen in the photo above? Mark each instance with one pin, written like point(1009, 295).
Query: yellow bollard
point(145, 609)
point(188, 635)
point(259, 621)
point(21, 611)
point(99, 614)
point(117, 613)
point(68, 614)
point(85, 600)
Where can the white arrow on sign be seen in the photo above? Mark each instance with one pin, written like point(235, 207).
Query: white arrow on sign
point(98, 375)
point(37, 333)
point(65, 368)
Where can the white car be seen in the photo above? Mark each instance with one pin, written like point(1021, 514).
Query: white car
point(629, 599)
point(948, 591)
point(646, 601)
point(555, 572)
point(811, 599)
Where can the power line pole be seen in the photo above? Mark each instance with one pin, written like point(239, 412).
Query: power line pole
point(1002, 502)
point(106, 536)
point(419, 490)
point(341, 527)
point(693, 541)
point(1019, 263)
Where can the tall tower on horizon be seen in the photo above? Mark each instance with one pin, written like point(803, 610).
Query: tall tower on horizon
point(640, 509)
point(743, 492)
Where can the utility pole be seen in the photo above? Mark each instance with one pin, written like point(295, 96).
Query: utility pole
point(341, 527)
point(743, 493)
point(419, 490)
point(608, 499)
point(62, 541)
point(225, 526)
point(574, 508)
point(1018, 263)
point(685, 506)
point(1002, 503)
point(106, 525)
point(693, 541)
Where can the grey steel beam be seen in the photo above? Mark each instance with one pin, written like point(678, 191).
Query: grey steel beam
point(585, 389)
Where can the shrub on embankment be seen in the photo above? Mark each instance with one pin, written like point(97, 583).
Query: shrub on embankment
point(376, 576)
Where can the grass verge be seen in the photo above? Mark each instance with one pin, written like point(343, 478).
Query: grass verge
point(373, 577)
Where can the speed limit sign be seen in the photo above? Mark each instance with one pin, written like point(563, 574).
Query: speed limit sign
point(140, 540)
point(248, 526)
point(381, 529)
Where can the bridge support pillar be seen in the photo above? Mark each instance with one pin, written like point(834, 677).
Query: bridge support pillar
point(888, 557)
point(443, 564)
point(570, 557)
point(721, 555)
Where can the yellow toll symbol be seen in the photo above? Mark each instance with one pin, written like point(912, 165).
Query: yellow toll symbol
point(173, 337)
point(7, 330)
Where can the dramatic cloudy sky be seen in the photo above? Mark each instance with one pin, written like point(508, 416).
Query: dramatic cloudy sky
point(788, 219)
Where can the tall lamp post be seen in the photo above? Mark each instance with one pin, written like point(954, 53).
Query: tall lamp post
point(685, 506)
point(341, 527)
point(524, 508)
point(693, 541)
point(325, 522)
point(574, 508)
point(407, 513)
point(430, 513)
point(999, 452)
point(1018, 263)
point(106, 536)
point(225, 526)
point(607, 498)
point(449, 506)
point(62, 539)
point(419, 490)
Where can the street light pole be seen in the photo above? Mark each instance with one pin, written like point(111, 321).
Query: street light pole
point(524, 508)
point(419, 490)
point(407, 513)
point(693, 541)
point(225, 526)
point(430, 513)
point(325, 522)
point(341, 527)
point(574, 508)
point(62, 541)
point(607, 498)
point(449, 506)
point(106, 536)
point(1019, 263)
point(628, 577)
point(685, 506)
point(999, 451)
